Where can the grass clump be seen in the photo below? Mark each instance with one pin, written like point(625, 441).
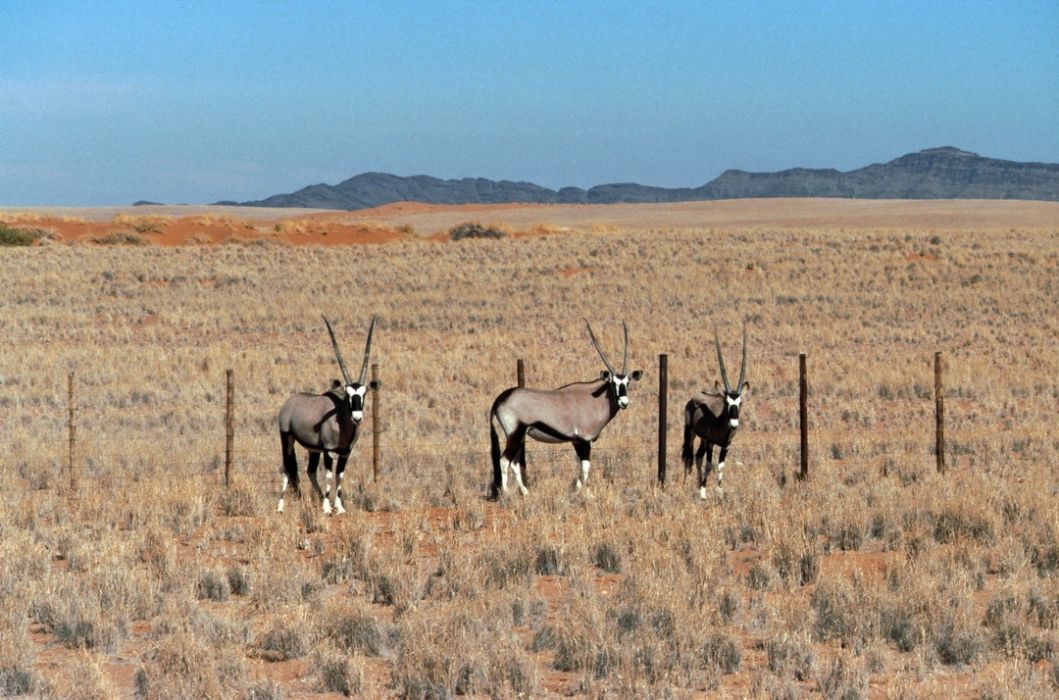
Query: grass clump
point(11, 236)
point(473, 229)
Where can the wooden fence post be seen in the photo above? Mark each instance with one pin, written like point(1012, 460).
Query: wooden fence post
point(520, 372)
point(939, 414)
point(229, 426)
point(375, 424)
point(803, 413)
point(71, 428)
point(663, 399)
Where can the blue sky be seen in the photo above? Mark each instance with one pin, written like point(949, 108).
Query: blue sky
point(110, 102)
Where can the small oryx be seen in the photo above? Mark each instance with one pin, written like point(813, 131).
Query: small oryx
point(714, 418)
point(574, 413)
point(322, 424)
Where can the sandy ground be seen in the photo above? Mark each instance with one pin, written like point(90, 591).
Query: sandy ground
point(175, 225)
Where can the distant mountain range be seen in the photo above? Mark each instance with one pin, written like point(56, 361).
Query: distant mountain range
point(935, 173)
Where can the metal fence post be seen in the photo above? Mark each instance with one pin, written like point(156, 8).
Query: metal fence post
point(663, 399)
point(375, 424)
point(71, 428)
point(229, 426)
point(803, 413)
point(939, 414)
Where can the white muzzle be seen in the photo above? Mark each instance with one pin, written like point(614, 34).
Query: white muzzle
point(358, 416)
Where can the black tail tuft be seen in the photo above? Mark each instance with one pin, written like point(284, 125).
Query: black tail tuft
point(687, 452)
point(494, 449)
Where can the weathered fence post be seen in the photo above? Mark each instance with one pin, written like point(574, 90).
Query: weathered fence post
point(939, 414)
point(663, 399)
point(803, 414)
point(375, 424)
point(229, 426)
point(71, 428)
point(520, 372)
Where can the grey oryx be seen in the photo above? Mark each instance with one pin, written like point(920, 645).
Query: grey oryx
point(714, 418)
point(324, 424)
point(574, 413)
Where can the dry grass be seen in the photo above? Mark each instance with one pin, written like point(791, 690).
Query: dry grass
point(877, 577)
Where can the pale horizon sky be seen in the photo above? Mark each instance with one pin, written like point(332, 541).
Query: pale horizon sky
point(105, 103)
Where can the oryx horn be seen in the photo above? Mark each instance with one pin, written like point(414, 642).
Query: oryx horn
point(742, 366)
point(720, 361)
point(625, 359)
point(338, 353)
point(367, 348)
point(599, 349)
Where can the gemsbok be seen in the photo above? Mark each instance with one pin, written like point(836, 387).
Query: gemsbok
point(574, 413)
point(324, 424)
point(714, 418)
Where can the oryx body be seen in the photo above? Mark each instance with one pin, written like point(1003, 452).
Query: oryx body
point(575, 413)
point(324, 424)
point(713, 417)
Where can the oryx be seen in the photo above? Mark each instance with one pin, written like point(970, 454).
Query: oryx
point(324, 423)
point(714, 418)
point(574, 413)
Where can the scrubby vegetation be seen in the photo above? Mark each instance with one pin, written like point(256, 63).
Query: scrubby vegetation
point(876, 577)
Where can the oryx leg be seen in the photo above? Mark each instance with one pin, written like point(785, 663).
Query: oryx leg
point(706, 449)
point(340, 469)
point(720, 469)
point(314, 464)
point(584, 451)
point(516, 445)
point(329, 465)
point(290, 469)
point(699, 454)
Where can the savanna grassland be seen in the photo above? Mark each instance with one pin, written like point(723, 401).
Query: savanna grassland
point(877, 577)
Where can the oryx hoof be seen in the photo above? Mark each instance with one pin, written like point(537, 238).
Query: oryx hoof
point(279, 508)
point(339, 510)
point(719, 491)
point(702, 493)
point(327, 507)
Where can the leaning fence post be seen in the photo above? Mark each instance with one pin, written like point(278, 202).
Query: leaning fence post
point(71, 428)
point(520, 372)
point(939, 414)
point(663, 399)
point(229, 426)
point(375, 425)
point(803, 414)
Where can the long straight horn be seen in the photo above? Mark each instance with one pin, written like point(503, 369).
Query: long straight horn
point(625, 359)
point(338, 353)
point(742, 366)
point(720, 361)
point(598, 349)
point(367, 349)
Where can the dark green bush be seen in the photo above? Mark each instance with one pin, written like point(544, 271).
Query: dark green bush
point(473, 229)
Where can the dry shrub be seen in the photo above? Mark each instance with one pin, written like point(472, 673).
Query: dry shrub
point(184, 666)
point(339, 672)
point(81, 679)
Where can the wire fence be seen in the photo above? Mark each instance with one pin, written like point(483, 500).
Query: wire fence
point(224, 442)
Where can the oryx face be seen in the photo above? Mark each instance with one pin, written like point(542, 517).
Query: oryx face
point(731, 405)
point(620, 384)
point(355, 397)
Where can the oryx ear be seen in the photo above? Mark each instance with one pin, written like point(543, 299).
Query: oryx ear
point(717, 387)
point(636, 376)
point(743, 389)
point(605, 375)
point(335, 384)
point(374, 384)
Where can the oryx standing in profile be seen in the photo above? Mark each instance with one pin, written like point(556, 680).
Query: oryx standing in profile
point(574, 413)
point(324, 424)
point(714, 418)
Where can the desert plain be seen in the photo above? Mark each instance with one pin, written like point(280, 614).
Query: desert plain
point(138, 573)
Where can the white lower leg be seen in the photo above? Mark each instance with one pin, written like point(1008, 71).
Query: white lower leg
point(338, 495)
point(702, 484)
point(282, 491)
point(503, 473)
point(583, 479)
point(720, 477)
point(517, 468)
